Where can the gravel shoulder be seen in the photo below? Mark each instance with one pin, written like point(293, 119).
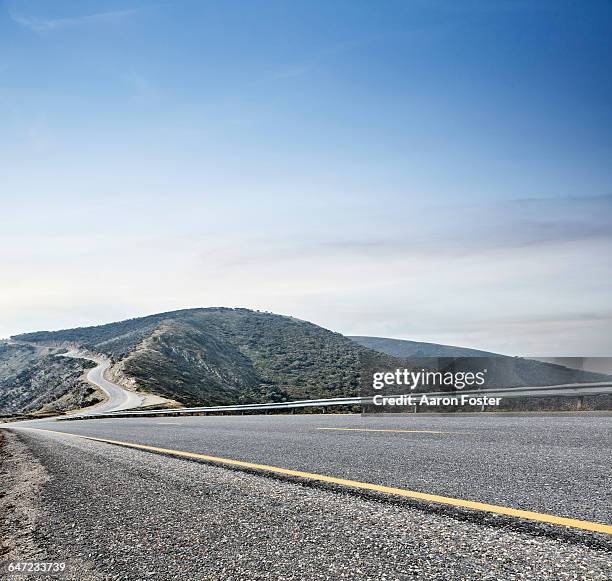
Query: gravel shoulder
point(127, 514)
point(21, 480)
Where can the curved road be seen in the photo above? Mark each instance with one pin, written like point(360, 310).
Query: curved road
point(137, 498)
point(143, 497)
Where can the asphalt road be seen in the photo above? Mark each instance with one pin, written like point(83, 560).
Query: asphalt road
point(555, 464)
point(119, 513)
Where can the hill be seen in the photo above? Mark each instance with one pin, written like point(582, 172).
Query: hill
point(222, 355)
point(217, 356)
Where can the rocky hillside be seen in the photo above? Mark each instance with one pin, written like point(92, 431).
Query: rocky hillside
point(36, 379)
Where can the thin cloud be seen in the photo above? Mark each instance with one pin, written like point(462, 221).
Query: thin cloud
point(42, 26)
point(305, 67)
point(142, 90)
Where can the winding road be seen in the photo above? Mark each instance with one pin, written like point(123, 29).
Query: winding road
point(118, 397)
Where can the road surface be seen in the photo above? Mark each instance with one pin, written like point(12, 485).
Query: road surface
point(112, 507)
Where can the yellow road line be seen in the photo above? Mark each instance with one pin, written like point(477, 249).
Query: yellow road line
point(387, 430)
point(456, 502)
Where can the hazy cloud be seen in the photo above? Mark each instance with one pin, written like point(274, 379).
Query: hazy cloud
point(477, 232)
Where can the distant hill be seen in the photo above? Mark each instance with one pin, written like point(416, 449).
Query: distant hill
point(406, 349)
point(503, 371)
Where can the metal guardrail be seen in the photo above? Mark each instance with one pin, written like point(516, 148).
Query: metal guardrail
point(568, 389)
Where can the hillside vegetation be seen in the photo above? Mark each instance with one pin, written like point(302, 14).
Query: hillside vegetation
point(222, 356)
point(406, 349)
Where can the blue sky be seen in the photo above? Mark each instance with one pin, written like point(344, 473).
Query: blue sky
point(431, 170)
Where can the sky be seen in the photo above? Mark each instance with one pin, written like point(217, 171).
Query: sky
point(434, 170)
